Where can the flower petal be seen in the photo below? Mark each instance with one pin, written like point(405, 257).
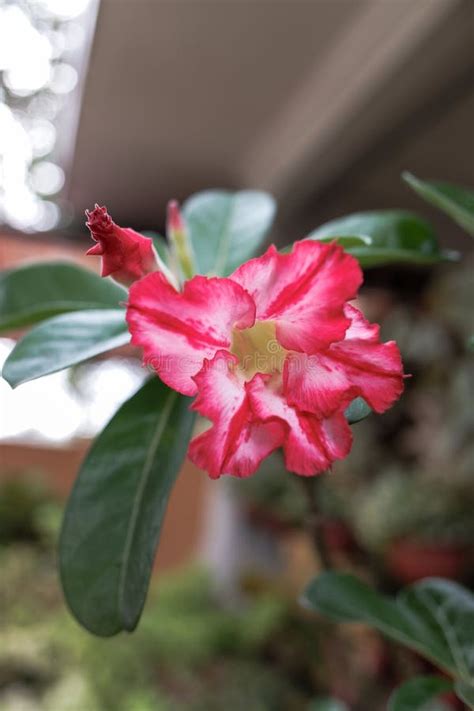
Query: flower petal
point(317, 383)
point(235, 443)
point(177, 331)
point(304, 292)
point(358, 365)
point(374, 369)
point(360, 327)
point(311, 444)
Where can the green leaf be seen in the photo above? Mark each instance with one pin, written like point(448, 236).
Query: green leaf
point(37, 291)
point(415, 693)
point(344, 598)
point(435, 617)
point(396, 236)
point(465, 691)
point(227, 228)
point(358, 410)
point(455, 200)
point(63, 341)
point(114, 515)
point(348, 242)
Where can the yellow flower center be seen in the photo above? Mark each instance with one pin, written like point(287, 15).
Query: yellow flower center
point(257, 349)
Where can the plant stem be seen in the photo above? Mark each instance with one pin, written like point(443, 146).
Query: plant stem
point(314, 520)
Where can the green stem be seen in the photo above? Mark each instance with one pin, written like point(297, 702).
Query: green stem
point(184, 255)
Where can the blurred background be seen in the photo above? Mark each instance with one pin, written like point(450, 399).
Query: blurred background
point(323, 103)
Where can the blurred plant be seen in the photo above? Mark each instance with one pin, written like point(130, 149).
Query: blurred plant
point(402, 504)
point(27, 510)
point(190, 652)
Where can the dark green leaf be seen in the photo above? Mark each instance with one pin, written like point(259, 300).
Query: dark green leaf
point(63, 341)
point(396, 236)
point(435, 617)
point(358, 410)
point(344, 598)
point(37, 291)
point(465, 691)
point(348, 242)
point(227, 228)
point(114, 516)
point(455, 200)
point(415, 693)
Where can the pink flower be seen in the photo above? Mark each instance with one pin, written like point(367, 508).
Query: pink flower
point(274, 354)
point(126, 254)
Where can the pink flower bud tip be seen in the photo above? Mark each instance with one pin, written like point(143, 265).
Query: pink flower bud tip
point(175, 221)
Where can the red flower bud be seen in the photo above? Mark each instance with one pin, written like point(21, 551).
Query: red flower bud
point(126, 254)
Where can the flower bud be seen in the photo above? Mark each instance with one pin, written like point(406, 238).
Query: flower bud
point(126, 254)
point(180, 241)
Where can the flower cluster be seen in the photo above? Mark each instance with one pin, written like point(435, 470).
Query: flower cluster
point(273, 354)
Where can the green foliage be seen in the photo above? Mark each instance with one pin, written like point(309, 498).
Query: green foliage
point(65, 340)
point(401, 504)
point(348, 242)
point(434, 617)
point(396, 236)
point(455, 200)
point(191, 653)
point(465, 691)
point(37, 291)
point(114, 515)
point(227, 228)
point(415, 694)
point(26, 512)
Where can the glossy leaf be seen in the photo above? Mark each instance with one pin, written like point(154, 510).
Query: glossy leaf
point(396, 236)
point(114, 516)
point(227, 228)
point(455, 200)
point(416, 693)
point(38, 291)
point(348, 242)
point(65, 340)
point(358, 410)
point(435, 617)
point(465, 691)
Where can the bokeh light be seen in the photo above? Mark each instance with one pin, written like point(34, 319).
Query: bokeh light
point(41, 44)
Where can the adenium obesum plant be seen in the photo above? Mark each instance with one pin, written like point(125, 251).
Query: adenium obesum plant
point(273, 354)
